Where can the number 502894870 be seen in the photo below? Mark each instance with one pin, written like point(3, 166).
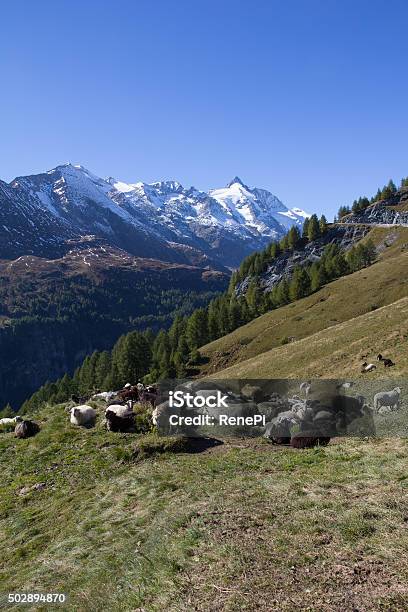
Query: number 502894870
point(22, 598)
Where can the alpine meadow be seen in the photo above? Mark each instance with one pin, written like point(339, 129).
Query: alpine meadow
point(204, 306)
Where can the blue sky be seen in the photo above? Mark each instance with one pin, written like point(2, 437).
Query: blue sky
point(306, 98)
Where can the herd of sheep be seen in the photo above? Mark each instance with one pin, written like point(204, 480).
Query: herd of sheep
point(317, 413)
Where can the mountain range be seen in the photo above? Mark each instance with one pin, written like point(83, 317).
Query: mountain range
point(43, 214)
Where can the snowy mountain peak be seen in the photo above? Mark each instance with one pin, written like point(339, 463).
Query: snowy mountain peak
point(236, 181)
point(162, 218)
point(167, 186)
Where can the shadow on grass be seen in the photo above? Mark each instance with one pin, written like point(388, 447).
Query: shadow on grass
point(153, 444)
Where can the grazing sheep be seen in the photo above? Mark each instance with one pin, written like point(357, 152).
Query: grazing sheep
point(384, 410)
point(83, 415)
point(387, 362)
point(389, 399)
point(26, 429)
point(345, 385)
point(368, 367)
point(305, 387)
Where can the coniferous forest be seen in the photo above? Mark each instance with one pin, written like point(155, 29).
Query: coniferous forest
point(174, 353)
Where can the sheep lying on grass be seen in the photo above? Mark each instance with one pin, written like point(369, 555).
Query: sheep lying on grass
point(26, 429)
point(8, 424)
point(106, 396)
point(120, 418)
point(83, 415)
point(368, 367)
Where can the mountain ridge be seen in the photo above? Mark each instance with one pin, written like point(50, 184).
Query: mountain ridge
point(162, 220)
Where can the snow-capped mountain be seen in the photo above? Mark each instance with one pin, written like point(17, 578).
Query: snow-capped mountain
point(162, 220)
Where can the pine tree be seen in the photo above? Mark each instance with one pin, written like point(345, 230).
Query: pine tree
point(343, 211)
point(253, 297)
point(317, 276)
point(7, 412)
point(300, 284)
point(313, 231)
point(224, 318)
point(293, 237)
point(235, 319)
point(284, 243)
point(102, 368)
point(323, 224)
point(132, 358)
point(65, 388)
point(377, 196)
point(213, 321)
point(274, 250)
point(197, 328)
point(305, 229)
point(282, 292)
point(177, 328)
point(86, 376)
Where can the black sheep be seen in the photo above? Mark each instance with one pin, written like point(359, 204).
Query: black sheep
point(308, 441)
point(280, 440)
point(387, 362)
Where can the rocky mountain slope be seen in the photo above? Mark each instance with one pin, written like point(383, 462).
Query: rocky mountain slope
point(281, 342)
point(307, 253)
point(162, 220)
point(391, 211)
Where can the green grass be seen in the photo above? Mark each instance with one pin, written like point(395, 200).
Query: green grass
point(337, 352)
point(128, 522)
point(343, 300)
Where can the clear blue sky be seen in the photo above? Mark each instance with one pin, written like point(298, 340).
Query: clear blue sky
point(307, 98)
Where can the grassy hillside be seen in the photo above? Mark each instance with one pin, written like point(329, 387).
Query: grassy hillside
point(337, 352)
point(346, 298)
point(239, 526)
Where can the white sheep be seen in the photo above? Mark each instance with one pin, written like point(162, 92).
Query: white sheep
point(305, 387)
point(104, 395)
point(389, 399)
point(161, 417)
point(11, 421)
point(83, 415)
point(8, 424)
point(368, 367)
point(120, 410)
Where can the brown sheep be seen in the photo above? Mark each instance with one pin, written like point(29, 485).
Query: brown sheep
point(26, 429)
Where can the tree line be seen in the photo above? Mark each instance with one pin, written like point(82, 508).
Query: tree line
point(174, 353)
point(257, 263)
point(363, 202)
